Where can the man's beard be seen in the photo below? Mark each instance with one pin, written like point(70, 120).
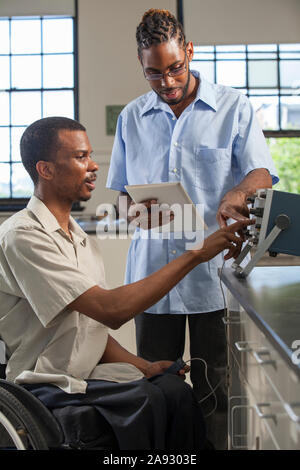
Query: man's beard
point(184, 92)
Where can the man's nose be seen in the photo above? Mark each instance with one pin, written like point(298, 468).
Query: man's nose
point(93, 166)
point(166, 80)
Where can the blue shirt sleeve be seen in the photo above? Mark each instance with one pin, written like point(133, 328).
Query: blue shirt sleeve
point(117, 177)
point(250, 149)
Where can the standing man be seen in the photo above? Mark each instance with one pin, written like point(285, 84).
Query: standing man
point(206, 136)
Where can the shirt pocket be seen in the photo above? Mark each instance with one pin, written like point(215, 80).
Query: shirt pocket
point(211, 168)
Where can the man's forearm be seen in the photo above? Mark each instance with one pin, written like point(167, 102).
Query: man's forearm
point(234, 203)
point(115, 307)
point(114, 352)
point(256, 179)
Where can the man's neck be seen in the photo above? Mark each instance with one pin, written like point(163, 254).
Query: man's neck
point(190, 96)
point(61, 210)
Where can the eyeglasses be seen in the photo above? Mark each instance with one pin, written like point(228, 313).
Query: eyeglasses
point(172, 73)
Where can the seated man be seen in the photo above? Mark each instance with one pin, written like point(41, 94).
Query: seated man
point(56, 310)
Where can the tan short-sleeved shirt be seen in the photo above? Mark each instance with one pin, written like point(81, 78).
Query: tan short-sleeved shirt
point(42, 270)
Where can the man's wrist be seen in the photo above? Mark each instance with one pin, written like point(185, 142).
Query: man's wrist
point(143, 365)
point(242, 193)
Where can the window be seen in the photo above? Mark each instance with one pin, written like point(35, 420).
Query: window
point(38, 79)
point(269, 75)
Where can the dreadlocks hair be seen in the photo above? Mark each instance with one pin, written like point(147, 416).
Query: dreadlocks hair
point(40, 141)
point(156, 27)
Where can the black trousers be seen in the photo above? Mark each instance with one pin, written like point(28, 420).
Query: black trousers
point(160, 413)
point(163, 337)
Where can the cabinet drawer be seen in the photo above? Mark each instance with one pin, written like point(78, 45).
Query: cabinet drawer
point(254, 353)
point(283, 379)
point(272, 416)
point(274, 386)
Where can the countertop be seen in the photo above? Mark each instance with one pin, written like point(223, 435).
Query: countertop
point(271, 297)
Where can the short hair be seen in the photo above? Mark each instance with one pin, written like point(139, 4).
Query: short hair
point(40, 141)
point(156, 27)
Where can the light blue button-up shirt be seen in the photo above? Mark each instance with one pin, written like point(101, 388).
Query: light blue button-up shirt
point(210, 148)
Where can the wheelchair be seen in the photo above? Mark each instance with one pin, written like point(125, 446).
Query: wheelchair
point(26, 423)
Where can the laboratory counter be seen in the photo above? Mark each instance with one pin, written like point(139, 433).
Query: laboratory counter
point(271, 297)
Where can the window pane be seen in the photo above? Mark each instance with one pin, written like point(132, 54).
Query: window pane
point(262, 47)
point(4, 144)
point(290, 73)
point(22, 185)
point(204, 48)
point(289, 47)
point(4, 73)
point(25, 107)
point(290, 112)
point(264, 91)
point(25, 36)
point(4, 37)
point(4, 179)
point(207, 69)
point(262, 73)
point(58, 35)
point(231, 73)
point(266, 108)
point(230, 56)
point(26, 72)
point(262, 55)
point(58, 71)
point(203, 56)
point(16, 134)
point(58, 103)
point(4, 108)
point(289, 55)
point(231, 48)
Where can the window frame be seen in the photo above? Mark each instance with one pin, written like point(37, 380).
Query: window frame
point(18, 203)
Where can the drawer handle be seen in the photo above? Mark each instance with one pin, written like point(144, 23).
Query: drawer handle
point(258, 354)
point(261, 414)
point(290, 411)
point(243, 346)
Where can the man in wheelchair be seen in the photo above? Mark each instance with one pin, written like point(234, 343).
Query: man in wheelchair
point(56, 310)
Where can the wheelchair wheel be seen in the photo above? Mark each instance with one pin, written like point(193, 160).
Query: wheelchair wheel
point(18, 429)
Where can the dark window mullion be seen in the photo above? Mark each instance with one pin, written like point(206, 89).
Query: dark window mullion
point(279, 88)
point(42, 68)
point(9, 110)
point(215, 64)
point(75, 61)
point(247, 70)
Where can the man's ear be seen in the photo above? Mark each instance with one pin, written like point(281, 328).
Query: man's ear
point(190, 50)
point(45, 169)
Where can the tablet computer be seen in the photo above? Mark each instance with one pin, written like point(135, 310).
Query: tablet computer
point(172, 195)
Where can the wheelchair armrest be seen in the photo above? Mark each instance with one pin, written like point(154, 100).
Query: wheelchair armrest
point(2, 371)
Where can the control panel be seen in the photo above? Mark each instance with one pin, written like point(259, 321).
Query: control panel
point(277, 227)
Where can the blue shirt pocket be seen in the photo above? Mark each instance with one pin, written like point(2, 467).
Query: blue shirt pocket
point(212, 168)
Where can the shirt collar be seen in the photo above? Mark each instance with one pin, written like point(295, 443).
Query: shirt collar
point(205, 93)
point(49, 221)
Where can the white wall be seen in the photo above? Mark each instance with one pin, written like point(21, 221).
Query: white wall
point(242, 21)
